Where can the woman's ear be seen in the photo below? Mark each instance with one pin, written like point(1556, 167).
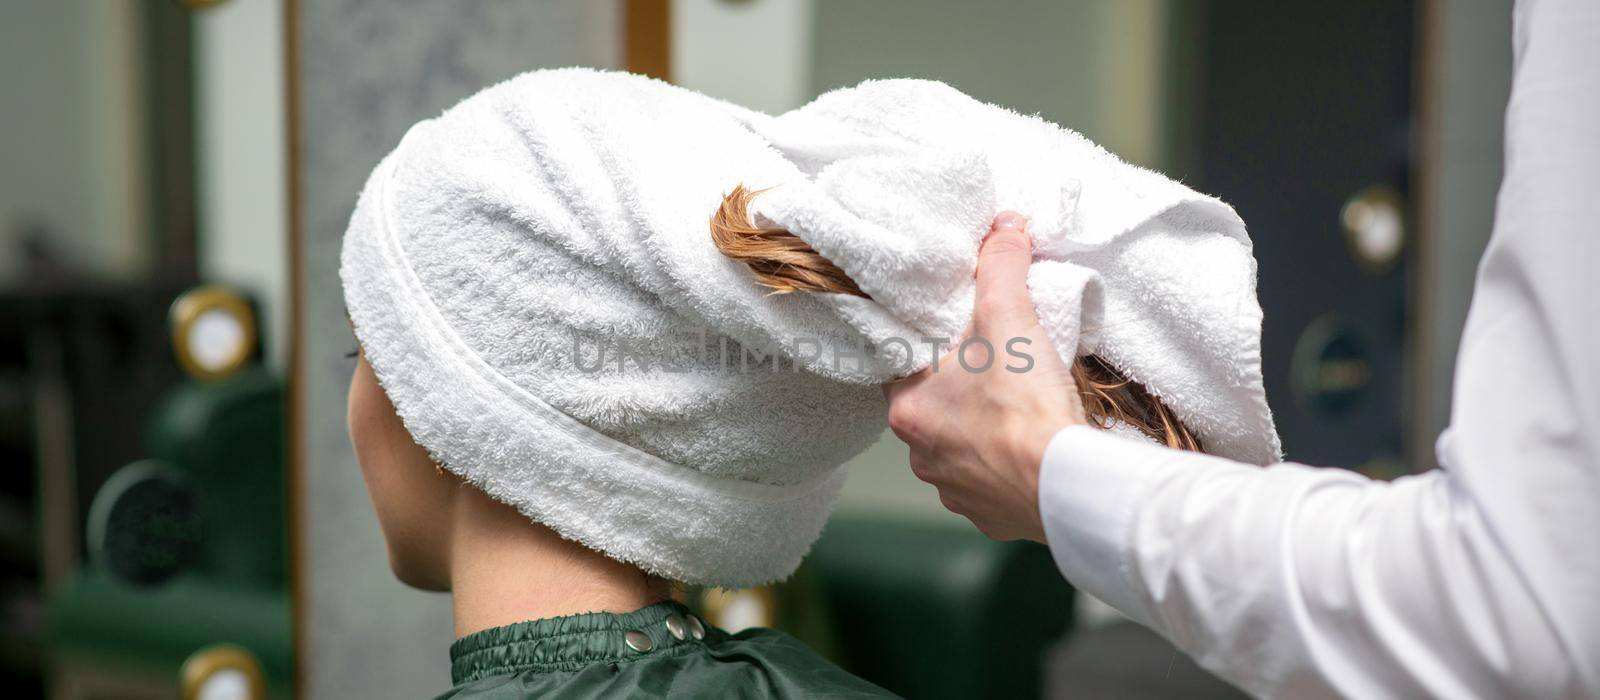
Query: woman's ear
point(412, 497)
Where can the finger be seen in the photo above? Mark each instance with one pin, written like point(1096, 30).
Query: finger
point(1003, 261)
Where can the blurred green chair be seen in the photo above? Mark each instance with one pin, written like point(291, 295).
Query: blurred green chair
point(187, 576)
point(932, 611)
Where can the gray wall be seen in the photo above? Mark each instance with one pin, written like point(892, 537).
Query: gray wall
point(1092, 65)
point(367, 71)
point(1474, 73)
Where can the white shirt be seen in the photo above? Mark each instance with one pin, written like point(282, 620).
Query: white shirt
point(1481, 579)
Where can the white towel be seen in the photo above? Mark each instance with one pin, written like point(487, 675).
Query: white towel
point(506, 251)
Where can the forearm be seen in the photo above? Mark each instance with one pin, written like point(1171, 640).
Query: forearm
point(1288, 580)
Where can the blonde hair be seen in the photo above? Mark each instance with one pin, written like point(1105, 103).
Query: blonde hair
point(786, 264)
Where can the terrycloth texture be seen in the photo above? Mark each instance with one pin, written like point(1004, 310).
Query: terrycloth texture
point(532, 277)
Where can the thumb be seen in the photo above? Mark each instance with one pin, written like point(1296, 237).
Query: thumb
point(1003, 261)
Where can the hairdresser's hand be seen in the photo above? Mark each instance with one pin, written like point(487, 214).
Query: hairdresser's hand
point(979, 436)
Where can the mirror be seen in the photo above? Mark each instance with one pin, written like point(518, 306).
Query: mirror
point(1102, 67)
point(142, 345)
point(185, 514)
point(1282, 113)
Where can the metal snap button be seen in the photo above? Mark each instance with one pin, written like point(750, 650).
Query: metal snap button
point(676, 627)
point(638, 641)
point(695, 628)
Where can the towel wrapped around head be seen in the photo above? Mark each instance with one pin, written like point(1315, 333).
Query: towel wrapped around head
point(532, 277)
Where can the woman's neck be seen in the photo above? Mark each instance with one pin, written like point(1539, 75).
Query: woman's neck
point(505, 569)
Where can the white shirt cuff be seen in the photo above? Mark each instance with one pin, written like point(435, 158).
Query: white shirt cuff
point(1090, 482)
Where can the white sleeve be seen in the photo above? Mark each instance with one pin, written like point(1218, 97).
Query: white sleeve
point(1480, 579)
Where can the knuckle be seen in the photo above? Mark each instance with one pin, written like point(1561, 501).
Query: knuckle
point(1004, 242)
point(996, 308)
point(903, 418)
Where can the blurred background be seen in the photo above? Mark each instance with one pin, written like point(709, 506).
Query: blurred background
point(179, 505)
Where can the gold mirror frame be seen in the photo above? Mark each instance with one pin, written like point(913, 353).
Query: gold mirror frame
point(1359, 213)
point(189, 308)
point(209, 661)
point(717, 602)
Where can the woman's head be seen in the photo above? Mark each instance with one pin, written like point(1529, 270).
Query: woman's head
point(531, 277)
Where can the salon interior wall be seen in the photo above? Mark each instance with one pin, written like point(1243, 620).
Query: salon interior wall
point(366, 72)
point(72, 148)
point(240, 158)
point(1096, 65)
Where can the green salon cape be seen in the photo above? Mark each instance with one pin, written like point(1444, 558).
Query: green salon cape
point(658, 651)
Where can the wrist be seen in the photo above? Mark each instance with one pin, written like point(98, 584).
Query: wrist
point(1027, 462)
point(1029, 446)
